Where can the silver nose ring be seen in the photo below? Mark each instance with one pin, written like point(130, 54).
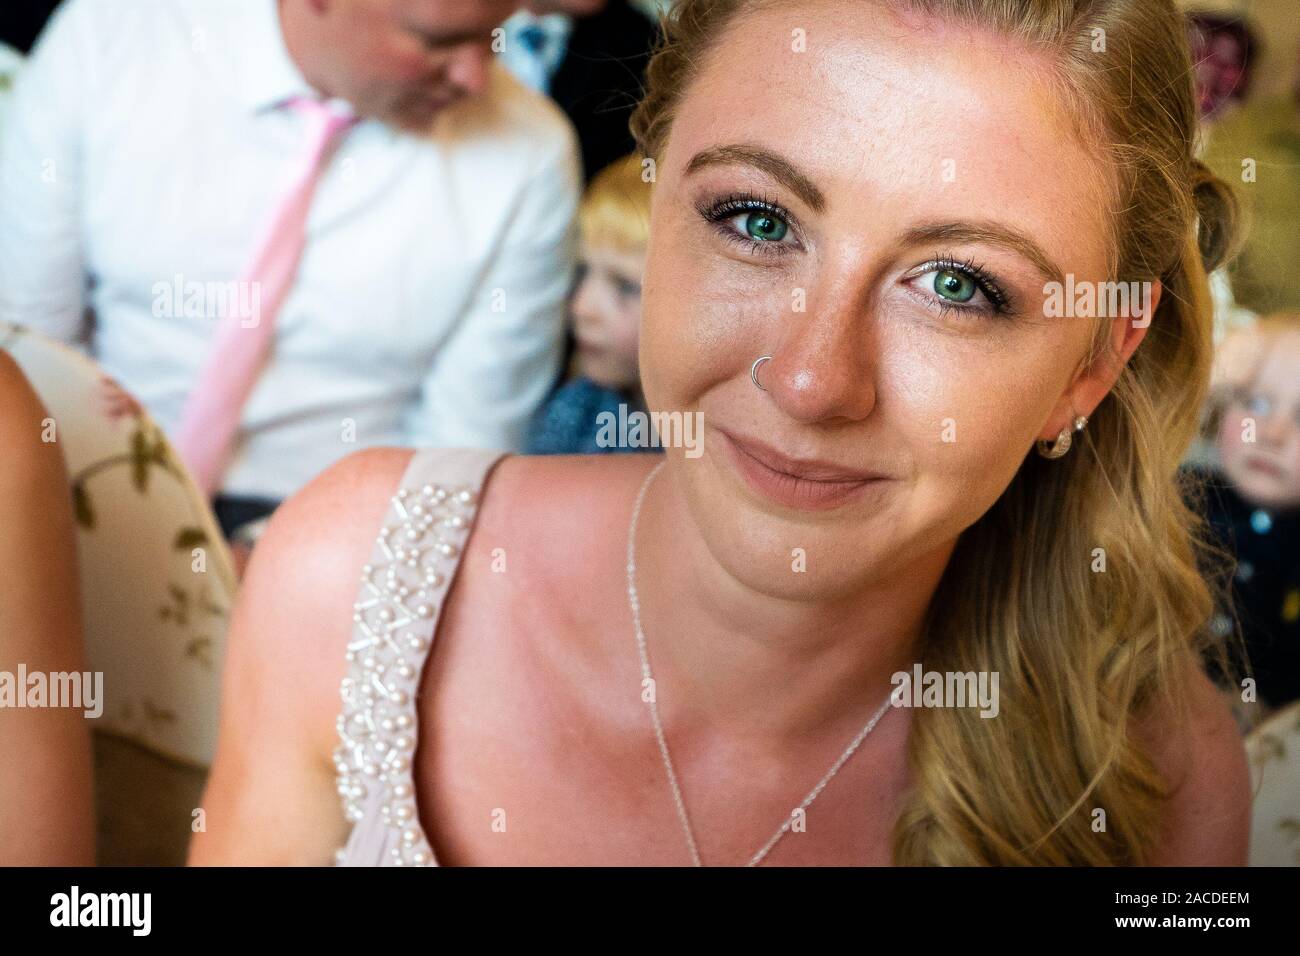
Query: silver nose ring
point(753, 370)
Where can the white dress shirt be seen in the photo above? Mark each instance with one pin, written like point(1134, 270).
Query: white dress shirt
point(145, 149)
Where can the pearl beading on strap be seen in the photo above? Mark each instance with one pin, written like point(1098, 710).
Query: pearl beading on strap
point(393, 623)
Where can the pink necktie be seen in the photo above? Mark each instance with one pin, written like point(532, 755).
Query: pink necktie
point(206, 436)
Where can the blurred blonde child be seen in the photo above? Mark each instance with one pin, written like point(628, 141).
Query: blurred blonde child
point(604, 316)
point(1253, 500)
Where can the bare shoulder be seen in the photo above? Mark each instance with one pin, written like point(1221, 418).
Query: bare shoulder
point(271, 791)
point(558, 524)
point(1202, 757)
point(545, 501)
point(305, 570)
point(303, 578)
point(554, 484)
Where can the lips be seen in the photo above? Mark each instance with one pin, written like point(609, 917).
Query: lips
point(804, 483)
point(1264, 467)
point(809, 469)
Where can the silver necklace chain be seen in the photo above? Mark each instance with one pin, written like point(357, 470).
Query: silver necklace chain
point(635, 604)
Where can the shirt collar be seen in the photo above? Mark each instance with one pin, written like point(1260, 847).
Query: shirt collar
point(267, 75)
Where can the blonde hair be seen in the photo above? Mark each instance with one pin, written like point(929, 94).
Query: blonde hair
point(1086, 653)
point(615, 210)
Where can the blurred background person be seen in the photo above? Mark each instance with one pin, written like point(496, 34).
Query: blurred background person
point(1253, 497)
point(590, 56)
point(1256, 146)
point(1223, 48)
point(1225, 53)
point(46, 791)
point(604, 316)
point(291, 228)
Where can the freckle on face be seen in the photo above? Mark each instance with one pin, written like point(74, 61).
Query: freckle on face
point(871, 112)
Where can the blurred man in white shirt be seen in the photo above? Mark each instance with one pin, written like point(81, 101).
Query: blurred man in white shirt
point(147, 142)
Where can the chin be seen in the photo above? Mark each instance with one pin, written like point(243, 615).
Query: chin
point(414, 115)
point(1268, 495)
point(1253, 489)
point(411, 122)
point(758, 547)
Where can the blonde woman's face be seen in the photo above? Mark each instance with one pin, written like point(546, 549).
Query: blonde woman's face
point(1259, 435)
point(878, 210)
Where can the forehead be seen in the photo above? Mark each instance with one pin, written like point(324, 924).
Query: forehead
point(1280, 368)
point(912, 118)
point(627, 261)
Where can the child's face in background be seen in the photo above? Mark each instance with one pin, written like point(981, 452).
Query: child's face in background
point(606, 310)
point(1266, 472)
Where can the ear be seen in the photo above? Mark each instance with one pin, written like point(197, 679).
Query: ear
point(1092, 383)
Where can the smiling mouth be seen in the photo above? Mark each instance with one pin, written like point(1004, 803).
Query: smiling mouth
point(798, 483)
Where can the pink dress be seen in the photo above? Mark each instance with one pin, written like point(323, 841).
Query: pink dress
point(415, 558)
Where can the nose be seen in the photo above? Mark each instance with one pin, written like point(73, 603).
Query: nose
point(468, 68)
point(824, 367)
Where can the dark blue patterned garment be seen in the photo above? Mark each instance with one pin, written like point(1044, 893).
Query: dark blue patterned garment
point(1265, 587)
point(567, 423)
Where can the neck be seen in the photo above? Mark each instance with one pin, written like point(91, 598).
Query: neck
point(732, 661)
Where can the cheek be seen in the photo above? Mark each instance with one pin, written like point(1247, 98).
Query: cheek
point(694, 323)
point(409, 69)
point(1229, 436)
point(629, 325)
point(1290, 455)
point(965, 410)
point(396, 60)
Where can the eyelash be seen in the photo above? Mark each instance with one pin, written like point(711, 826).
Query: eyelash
point(999, 301)
point(719, 212)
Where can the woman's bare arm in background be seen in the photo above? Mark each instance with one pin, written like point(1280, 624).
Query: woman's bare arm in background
point(46, 785)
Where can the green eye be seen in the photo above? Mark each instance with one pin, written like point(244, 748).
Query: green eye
point(954, 286)
point(765, 227)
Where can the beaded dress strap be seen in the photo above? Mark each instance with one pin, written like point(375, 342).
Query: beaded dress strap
point(394, 621)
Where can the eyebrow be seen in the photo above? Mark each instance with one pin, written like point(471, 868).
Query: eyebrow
point(991, 233)
point(775, 165)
